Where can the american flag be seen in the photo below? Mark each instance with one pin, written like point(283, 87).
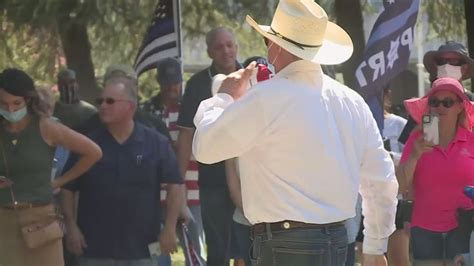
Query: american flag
point(192, 257)
point(163, 37)
point(387, 52)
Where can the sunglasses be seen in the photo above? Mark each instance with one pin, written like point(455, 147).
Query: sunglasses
point(446, 102)
point(450, 61)
point(108, 101)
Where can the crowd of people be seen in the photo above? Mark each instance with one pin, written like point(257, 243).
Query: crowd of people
point(263, 170)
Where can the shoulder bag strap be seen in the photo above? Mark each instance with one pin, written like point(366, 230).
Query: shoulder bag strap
point(7, 173)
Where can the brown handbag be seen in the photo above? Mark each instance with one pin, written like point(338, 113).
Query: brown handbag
point(37, 227)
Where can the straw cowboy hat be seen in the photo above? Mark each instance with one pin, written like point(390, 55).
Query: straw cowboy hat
point(301, 27)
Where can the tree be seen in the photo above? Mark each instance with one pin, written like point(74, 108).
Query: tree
point(469, 11)
point(349, 17)
point(90, 34)
point(36, 35)
point(94, 34)
point(445, 18)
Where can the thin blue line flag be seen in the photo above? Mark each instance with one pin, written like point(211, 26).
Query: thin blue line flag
point(387, 52)
point(163, 37)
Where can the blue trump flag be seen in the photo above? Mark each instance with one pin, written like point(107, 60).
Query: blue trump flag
point(387, 52)
point(163, 37)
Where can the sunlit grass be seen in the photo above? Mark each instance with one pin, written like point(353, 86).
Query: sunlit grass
point(177, 258)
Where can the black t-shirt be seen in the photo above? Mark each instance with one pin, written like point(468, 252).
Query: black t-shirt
point(198, 88)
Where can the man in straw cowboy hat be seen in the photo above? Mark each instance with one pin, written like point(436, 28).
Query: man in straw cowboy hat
point(306, 146)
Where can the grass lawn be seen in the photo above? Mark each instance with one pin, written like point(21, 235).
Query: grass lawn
point(177, 259)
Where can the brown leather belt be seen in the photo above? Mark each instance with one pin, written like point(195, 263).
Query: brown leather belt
point(288, 225)
point(23, 205)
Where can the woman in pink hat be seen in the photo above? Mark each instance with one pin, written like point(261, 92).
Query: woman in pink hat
point(437, 173)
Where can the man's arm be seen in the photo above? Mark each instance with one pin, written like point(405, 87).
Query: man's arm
point(183, 154)
point(228, 122)
point(75, 241)
point(378, 188)
point(233, 182)
point(184, 147)
point(174, 203)
point(170, 176)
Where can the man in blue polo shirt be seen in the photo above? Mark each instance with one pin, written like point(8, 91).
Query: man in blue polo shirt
point(118, 214)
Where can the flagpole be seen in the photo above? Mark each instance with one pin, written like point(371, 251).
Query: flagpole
point(180, 38)
point(420, 53)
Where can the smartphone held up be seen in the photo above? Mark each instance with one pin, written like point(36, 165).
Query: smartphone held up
point(431, 128)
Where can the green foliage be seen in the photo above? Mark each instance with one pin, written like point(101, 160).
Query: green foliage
point(34, 50)
point(446, 19)
point(199, 16)
point(29, 37)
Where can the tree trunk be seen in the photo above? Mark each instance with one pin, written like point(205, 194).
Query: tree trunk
point(469, 14)
point(349, 17)
point(77, 48)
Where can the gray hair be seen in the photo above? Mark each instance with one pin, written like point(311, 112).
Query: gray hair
point(212, 35)
point(131, 88)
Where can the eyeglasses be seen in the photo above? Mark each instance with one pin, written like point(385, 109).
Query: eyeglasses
point(447, 102)
point(450, 61)
point(109, 101)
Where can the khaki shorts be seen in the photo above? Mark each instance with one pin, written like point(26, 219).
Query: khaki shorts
point(13, 251)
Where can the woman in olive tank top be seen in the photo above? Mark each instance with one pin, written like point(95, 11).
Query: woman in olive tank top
point(28, 138)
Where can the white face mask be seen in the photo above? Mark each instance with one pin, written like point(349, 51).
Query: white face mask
point(449, 71)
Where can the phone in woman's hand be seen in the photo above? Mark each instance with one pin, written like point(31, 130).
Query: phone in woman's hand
point(431, 128)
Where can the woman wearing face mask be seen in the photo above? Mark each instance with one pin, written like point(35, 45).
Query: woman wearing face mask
point(438, 173)
point(451, 60)
point(28, 138)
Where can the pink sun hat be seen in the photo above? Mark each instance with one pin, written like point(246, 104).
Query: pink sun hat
point(417, 107)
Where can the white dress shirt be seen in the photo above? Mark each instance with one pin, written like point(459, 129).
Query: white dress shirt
point(306, 145)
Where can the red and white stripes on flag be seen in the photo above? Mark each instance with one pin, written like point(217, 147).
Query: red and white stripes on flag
point(189, 251)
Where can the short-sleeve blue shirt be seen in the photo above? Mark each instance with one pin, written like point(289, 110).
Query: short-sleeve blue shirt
point(119, 197)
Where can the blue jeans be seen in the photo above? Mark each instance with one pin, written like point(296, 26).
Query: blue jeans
point(429, 245)
point(350, 258)
point(217, 210)
point(325, 246)
point(113, 262)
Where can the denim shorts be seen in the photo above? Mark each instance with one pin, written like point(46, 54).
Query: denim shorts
point(429, 245)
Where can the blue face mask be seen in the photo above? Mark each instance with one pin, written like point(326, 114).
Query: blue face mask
point(14, 117)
